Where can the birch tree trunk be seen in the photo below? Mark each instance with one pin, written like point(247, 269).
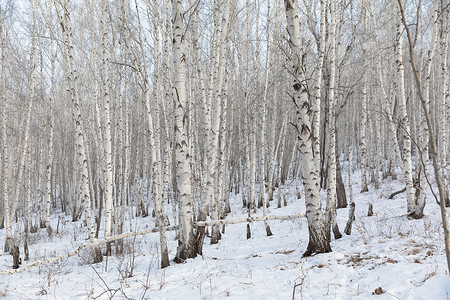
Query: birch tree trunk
point(4, 150)
point(215, 235)
point(423, 139)
point(100, 145)
point(65, 23)
point(107, 132)
point(263, 126)
point(363, 124)
point(445, 98)
point(5, 165)
point(318, 242)
point(187, 247)
point(331, 186)
point(160, 204)
point(204, 205)
point(279, 167)
point(317, 101)
point(348, 226)
point(50, 141)
point(404, 120)
point(276, 151)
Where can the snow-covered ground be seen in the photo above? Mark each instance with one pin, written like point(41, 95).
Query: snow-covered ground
point(387, 256)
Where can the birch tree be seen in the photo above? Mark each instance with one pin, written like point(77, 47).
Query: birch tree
point(363, 124)
point(65, 22)
point(444, 94)
point(159, 199)
point(219, 70)
point(404, 120)
point(186, 244)
point(9, 244)
point(433, 147)
point(263, 123)
point(50, 139)
point(423, 136)
point(318, 242)
point(107, 132)
point(319, 91)
point(331, 187)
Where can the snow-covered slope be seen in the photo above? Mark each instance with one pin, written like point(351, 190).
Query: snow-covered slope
point(387, 256)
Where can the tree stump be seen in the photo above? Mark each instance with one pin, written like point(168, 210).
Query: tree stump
point(370, 211)
point(16, 256)
point(351, 218)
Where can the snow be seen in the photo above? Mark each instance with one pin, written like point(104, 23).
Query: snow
point(385, 254)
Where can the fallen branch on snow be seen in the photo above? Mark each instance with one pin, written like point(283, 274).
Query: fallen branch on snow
point(396, 193)
point(249, 219)
point(153, 230)
point(85, 246)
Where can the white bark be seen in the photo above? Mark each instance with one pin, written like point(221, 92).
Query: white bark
point(445, 99)
point(158, 199)
point(50, 140)
point(403, 114)
point(214, 136)
point(107, 132)
point(318, 242)
point(28, 217)
point(5, 162)
point(363, 123)
point(263, 125)
point(350, 160)
point(252, 157)
point(187, 244)
point(423, 133)
point(274, 153)
point(203, 209)
point(65, 21)
point(317, 100)
point(331, 186)
point(279, 166)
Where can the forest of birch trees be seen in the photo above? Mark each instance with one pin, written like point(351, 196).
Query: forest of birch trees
point(112, 111)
